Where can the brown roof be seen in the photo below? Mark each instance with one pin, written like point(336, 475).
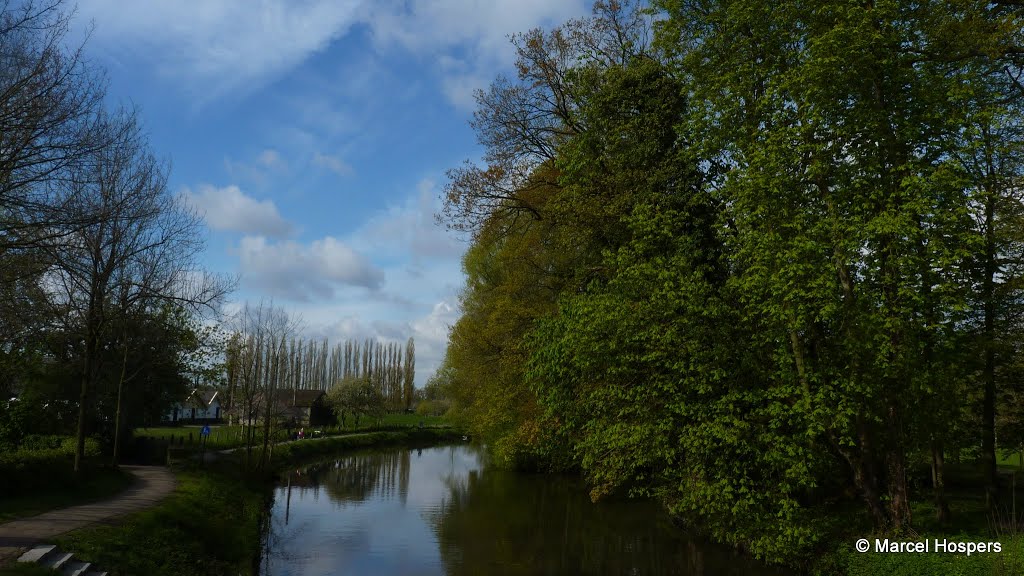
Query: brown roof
point(300, 398)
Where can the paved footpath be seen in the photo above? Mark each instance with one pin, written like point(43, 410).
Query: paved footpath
point(152, 484)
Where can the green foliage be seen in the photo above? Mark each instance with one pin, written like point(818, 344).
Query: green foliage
point(1009, 561)
point(761, 264)
point(356, 396)
point(27, 469)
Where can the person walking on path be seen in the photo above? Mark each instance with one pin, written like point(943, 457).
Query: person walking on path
point(152, 484)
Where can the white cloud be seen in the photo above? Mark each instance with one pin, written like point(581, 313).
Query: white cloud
point(305, 272)
point(229, 208)
point(478, 28)
point(270, 159)
point(410, 229)
point(332, 163)
point(218, 46)
point(460, 89)
point(348, 321)
point(258, 171)
point(431, 334)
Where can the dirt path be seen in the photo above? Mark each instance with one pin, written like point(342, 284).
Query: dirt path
point(151, 485)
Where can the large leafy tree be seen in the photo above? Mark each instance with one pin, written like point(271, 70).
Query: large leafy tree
point(750, 260)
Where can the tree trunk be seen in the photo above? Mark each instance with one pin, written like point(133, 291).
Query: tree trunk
point(88, 368)
point(117, 414)
point(938, 482)
point(896, 474)
point(988, 411)
point(83, 397)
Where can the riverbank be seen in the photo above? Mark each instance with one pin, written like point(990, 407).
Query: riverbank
point(149, 485)
point(212, 524)
point(93, 484)
point(970, 522)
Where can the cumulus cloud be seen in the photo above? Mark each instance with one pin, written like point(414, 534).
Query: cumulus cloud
point(431, 334)
point(332, 163)
point(349, 321)
point(229, 208)
point(305, 272)
point(409, 229)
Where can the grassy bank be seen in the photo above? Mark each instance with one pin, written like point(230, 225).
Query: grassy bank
point(211, 524)
point(971, 522)
point(307, 450)
point(208, 526)
point(37, 476)
point(224, 436)
point(93, 484)
point(27, 570)
point(1010, 561)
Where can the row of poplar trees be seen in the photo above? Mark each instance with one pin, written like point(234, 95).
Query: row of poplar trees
point(267, 364)
point(747, 257)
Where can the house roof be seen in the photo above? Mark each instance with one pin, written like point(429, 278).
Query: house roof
point(302, 398)
point(285, 400)
point(202, 398)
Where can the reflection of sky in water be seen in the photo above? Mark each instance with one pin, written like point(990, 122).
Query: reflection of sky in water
point(378, 535)
point(439, 510)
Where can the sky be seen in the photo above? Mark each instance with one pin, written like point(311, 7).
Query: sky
point(313, 136)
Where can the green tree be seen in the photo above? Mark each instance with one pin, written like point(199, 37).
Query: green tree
point(357, 396)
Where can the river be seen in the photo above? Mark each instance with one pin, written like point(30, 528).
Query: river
point(444, 510)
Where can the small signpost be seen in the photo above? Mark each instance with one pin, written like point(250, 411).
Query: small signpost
point(204, 433)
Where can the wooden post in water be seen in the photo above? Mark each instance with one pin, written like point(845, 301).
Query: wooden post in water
point(288, 499)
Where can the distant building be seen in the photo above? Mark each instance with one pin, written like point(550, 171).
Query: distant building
point(302, 407)
point(306, 407)
point(199, 407)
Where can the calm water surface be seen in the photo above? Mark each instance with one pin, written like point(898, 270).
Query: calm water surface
point(445, 511)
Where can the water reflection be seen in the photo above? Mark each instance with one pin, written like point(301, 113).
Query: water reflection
point(444, 511)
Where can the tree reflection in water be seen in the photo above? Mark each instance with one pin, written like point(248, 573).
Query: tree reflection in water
point(495, 521)
point(466, 517)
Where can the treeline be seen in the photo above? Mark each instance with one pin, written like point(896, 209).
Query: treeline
point(748, 256)
point(266, 365)
point(99, 287)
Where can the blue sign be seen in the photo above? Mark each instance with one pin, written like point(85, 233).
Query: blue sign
point(205, 431)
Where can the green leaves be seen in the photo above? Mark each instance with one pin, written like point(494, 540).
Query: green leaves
point(751, 270)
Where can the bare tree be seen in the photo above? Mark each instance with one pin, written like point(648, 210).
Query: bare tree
point(409, 372)
point(50, 124)
point(138, 249)
point(266, 369)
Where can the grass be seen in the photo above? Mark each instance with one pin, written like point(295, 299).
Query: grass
point(1008, 460)
point(94, 484)
point(27, 569)
point(223, 436)
point(307, 450)
point(210, 525)
point(971, 522)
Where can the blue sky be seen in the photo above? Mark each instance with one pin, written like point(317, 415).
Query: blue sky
point(313, 135)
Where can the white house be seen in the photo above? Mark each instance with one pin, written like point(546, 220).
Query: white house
point(199, 406)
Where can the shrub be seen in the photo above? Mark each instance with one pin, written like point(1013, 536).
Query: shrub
point(44, 465)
